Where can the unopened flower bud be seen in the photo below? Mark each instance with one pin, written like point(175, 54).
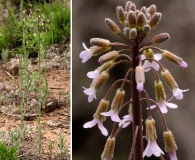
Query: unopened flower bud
point(140, 77)
point(160, 38)
point(169, 79)
point(126, 31)
point(131, 18)
point(112, 26)
point(147, 29)
point(103, 77)
point(150, 130)
point(137, 12)
point(152, 9)
point(113, 55)
point(100, 42)
point(105, 66)
point(155, 20)
point(120, 14)
point(118, 99)
point(160, 91)
point(108, 149)
point(132, 7)
point(127, 5)
point(96, 50)
point(102, 107)
point(133, 33)
point(175, 59)
point(149, 54)
point(170, 145)
point(143, 9)
point(141, 20)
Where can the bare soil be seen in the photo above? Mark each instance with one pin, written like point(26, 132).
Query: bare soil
point(55, 116)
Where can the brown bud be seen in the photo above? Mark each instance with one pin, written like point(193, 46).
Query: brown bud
point(105, 66)
point(147, 29)
point(141, 20)
point(152, 9)
point(149, 54)
point(169, 79)
point(143, 9)
point(133, 33)
point(102, 107)
point(170, 145)
point(108, 149)
point(150, 129)
point(126, 31)
point(132, 7)
point(99, 82)
point(131, 18)
point(113, 55)
point(112, 26)
point(156, 17)
point(96, 50)
point(120, 14)
point(160, 38)
point(118, 99)
point(127, 6)
point(159, 91)
point(173, 58)
point(100, 42)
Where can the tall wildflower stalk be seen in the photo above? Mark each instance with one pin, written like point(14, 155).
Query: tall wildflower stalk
point(141, 58)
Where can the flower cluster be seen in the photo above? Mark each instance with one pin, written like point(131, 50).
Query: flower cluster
point(141, 59)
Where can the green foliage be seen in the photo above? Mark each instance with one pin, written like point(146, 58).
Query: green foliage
point(8, 153)
point(53, 27)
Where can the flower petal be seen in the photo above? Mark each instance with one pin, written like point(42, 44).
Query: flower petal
point(173, 155)
point(143, 56)
point(90, 123)
point(183, 64)
point(162, 106)
point(155, 65)
point(109, 113)
point(115, 117)
point(147, 152)
point(102, 128)
point(93, 74)
point(156, 149)
point(140, 86)
point(171, 105)
point(146, 66)
point(178, 93)
point(158, 56)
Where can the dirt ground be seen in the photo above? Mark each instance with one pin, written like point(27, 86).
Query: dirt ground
point(55, 117)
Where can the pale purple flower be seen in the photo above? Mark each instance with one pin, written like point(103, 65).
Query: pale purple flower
point(140, 86)
point(86, 54)
point(152, 148)
point(147, 64)
point(93, 74)
point(113, 114)
point(91, 92)
point(163, 106)
point(183, 64)
point(178, 93)
point(140, 77)
point(95, 121)
point(127, 119)
point(173, 155)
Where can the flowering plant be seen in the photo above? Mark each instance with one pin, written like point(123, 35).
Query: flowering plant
point(141, 59)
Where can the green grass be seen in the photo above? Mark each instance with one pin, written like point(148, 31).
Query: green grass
point(8, 153)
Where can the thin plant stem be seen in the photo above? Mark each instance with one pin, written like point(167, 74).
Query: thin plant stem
point(117, 63)
point(136, 105)
point(112, 87)
point(150, 47)
point(126, 56)
point(162, 116)
point(149, 110)
point(134, 142)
